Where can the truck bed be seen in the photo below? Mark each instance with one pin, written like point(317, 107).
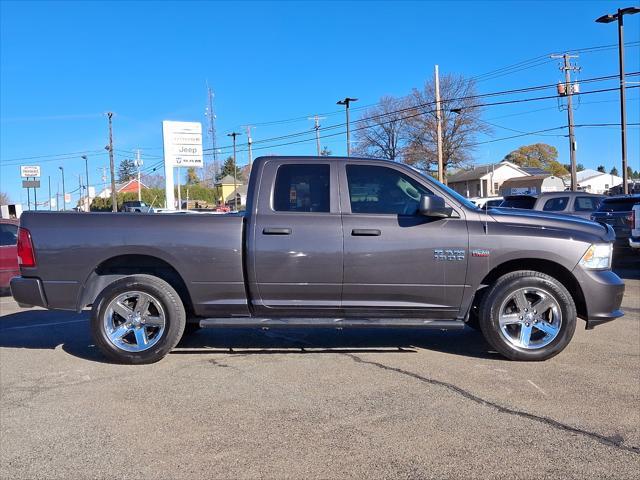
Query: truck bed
point(204, 250)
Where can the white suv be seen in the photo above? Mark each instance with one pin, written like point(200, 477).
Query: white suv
point(634, 239)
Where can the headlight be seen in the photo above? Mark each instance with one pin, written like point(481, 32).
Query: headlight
point(597, 257)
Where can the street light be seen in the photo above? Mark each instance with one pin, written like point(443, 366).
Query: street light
point(64, 207)
point(235, 176)
point(346, 103)
point(612, 17)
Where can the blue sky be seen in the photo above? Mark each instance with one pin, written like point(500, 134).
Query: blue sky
point(63, 64)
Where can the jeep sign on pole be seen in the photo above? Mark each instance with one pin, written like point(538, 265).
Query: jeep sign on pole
point(182, 148)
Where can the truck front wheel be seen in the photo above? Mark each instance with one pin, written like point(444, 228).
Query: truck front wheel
point(528, 316)
point(137, 319)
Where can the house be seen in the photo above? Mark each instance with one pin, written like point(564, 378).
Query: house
point(593, 181)
point(241, 198)
point(532, 184)
point(486, 180)
point(124, 187)
point(226, 186)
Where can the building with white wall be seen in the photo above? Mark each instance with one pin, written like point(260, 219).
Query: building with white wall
point(593, 181)
point(486, 180)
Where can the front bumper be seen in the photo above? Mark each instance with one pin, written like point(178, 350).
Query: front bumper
point(603, 291)
point(28, 292)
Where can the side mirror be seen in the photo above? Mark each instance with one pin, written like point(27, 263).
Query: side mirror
point(432, 206)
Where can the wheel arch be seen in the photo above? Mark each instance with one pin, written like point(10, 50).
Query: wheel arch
point(120, 266)
point(547, 267)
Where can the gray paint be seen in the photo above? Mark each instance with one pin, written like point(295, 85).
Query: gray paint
point(410, 267)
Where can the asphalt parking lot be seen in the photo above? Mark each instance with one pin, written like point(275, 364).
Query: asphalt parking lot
point(318, 404)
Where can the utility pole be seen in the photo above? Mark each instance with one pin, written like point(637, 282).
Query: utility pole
point(249, 142)
point(568, 92)
point(346, 103)
point(64, 194)
point(49, 192)
point(316, 127)
point(80, 186)
point(439, 126)
point(212, 131)
point(235, 168)
point(86, 171)
point(139, 164)
point(114, 196)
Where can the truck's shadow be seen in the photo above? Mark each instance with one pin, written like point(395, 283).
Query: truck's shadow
point(41, 329)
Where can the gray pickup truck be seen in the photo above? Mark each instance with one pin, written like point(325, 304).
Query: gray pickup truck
point(337, 242)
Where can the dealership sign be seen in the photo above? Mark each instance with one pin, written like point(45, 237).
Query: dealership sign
point(182, 144)
point(30, 171)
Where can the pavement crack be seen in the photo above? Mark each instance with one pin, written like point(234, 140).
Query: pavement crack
point(615, 441)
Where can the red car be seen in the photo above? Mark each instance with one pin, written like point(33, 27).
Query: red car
point(8, 251)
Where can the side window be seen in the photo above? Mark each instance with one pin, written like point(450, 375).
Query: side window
point(302, 188)
point(8, 235)
point(374, 189)
point(556, 204)
point(586, 204)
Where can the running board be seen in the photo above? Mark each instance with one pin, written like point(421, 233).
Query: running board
point(331, 322)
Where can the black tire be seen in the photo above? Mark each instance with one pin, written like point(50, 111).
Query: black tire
point(506, 286)
point(174, 322)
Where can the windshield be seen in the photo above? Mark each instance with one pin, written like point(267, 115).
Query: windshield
point(463, 200)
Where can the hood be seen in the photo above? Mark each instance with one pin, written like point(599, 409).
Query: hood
point(556, 221)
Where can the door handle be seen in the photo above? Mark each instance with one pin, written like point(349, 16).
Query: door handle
point(366, 232)
point(276, 231)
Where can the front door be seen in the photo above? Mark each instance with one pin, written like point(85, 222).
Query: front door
point(296, 242)
point(397, 262)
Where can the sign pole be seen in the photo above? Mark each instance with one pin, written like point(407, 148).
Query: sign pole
point(35, 198)
point(28, 198)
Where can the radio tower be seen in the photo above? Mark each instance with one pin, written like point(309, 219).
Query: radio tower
point(212, 132)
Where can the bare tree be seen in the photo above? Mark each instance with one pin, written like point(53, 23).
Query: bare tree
point(152, 180)
point(382, 130)
point(4, 199)
point(461, 124)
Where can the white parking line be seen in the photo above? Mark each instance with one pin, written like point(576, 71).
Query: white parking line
point(42, 325)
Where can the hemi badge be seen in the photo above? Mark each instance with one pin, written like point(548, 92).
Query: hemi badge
point(479, 252)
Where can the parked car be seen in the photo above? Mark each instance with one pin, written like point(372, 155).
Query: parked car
point(8, 251)
point(487, 202)
point(579, 204)
point(618, 212)
point(136, 206)
point(634, 239)
point(333, 242)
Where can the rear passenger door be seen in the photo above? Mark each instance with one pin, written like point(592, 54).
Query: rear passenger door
point(295, 247)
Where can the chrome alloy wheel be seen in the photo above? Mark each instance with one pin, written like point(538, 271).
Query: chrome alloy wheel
point(134, 321)
point(530, 318)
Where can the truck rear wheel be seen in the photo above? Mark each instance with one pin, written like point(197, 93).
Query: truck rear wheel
point(137, 319)
point(528, 316)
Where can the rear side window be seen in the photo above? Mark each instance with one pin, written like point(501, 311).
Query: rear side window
point(586, 204)
point(8, 234)
point(519, 202)
point(302, 188)
point(374, 189)
point(556, 204)
point(618, 205)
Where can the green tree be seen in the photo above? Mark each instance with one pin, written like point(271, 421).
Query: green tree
point(538, 155)
point(601, 169)
point(326, 152)
point(614, 171)
point(629, 172)
point(227, 169)
point(192, 176)
point(127, 170)
point(579, 167)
